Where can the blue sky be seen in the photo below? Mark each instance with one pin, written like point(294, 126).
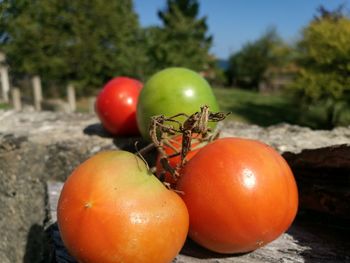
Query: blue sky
point(234, 22)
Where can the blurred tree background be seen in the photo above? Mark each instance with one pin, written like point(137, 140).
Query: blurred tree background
point(313, 74)
point(182, 39)
point(248, 66)
point(87, 43)
point(324, 61)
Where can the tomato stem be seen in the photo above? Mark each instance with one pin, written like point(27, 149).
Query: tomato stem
point(163, 128)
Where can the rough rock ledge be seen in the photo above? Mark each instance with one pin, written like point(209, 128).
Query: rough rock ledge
point(38, 148)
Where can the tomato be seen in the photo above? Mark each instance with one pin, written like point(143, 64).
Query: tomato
point(240, 194)
point(170, 92)
point(116, 106)
point(175, 161)
point(112, 209)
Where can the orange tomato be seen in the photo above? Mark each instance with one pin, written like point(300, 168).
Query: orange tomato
point(240, 194)
point(174, 161)
point(111, 209)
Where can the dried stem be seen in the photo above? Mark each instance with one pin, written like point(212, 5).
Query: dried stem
point(163, 128)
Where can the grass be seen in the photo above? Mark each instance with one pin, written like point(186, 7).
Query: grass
point(256, 108)
point(262, 109)
point(85, 105)
point(268, 109)
point(4, 106)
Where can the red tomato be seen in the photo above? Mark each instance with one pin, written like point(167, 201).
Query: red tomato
point(240, 194)
point(116, 106)
point(112, 209)
point(174, 161)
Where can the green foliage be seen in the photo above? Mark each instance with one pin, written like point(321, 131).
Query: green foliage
point(273, 108)
point(247, 67)
point(325, 63)
point(89, 42)
point(182, 40)
point(86, 42)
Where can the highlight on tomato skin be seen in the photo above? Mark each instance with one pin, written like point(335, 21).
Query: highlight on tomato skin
point(112, 209)
point(240, 194)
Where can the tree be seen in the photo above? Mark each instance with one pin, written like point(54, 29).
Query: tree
point(86, 42)
point(182, 40)
point(324, 58)
point(247, 67)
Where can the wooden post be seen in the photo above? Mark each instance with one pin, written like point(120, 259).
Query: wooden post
point(92, 101)
point(38, 97)
point(71, 98)
point(5, 83)
point(16, 99)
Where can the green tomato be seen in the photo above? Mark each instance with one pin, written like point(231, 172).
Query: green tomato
point(172, 91)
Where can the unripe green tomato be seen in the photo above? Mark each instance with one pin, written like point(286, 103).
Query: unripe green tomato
point(172, 91)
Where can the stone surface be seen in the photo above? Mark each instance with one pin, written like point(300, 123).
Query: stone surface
point(36, 147)
point(22, 201)
point(304, 242)
point(288, 138)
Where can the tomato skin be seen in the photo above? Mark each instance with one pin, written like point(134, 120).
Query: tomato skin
point(172, 91)
point(116, 106)
point(240, 194)
point(111, 209)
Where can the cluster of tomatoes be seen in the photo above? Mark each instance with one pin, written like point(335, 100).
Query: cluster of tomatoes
point(232, 195)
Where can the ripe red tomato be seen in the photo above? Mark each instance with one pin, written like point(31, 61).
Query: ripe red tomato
point(174, 161)
point(112, 209)
point(240, 194)
point(116, 106)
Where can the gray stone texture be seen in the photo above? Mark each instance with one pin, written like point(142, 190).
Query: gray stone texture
point(37, 147)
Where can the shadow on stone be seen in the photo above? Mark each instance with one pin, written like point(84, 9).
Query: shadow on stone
point(134, 145)
point(60, 252)
point(37, 247)
point(97, 129)
point(194, 250)
point(324, 236)
point(131, 144)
